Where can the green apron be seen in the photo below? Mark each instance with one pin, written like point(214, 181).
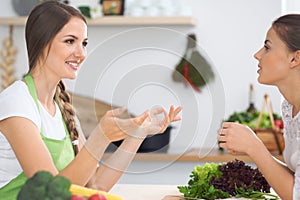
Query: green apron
point(61, 151)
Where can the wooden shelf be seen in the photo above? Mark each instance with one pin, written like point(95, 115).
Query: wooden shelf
point(16, 21)
point(117, 21)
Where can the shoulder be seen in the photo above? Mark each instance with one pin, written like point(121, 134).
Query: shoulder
point(15, 93)
point(14, 89)
point(17, 101)
point(285, 103)
point(285, 107)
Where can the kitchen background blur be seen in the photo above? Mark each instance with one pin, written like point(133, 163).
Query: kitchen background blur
point(132, 65)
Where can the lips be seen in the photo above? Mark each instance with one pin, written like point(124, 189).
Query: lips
point(73, 65)
point(259, 69)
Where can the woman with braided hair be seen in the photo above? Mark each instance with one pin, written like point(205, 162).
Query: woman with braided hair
point(38, 126)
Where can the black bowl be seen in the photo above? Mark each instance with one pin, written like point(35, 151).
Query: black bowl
point(153, 143)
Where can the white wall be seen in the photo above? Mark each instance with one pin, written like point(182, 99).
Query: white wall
point(132, 66)
point(290, 6)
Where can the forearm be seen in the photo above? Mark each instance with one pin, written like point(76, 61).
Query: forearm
point(113, 168)
point(280, 178)
point(82, 168)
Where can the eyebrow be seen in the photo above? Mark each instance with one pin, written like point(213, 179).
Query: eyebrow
point(73, 36)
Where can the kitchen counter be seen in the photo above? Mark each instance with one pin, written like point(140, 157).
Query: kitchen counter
point(173, 167)
point(193, 155)
point(148, 192)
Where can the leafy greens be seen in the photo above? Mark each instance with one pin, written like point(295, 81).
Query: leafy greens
point(231, 179)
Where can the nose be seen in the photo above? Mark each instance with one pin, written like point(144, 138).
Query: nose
point(80, 51)
point(257, 55)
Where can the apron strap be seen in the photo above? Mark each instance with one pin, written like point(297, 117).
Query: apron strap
point(30, 83)
point(32, 90)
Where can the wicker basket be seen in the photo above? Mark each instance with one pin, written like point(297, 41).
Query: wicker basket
point(271, 137)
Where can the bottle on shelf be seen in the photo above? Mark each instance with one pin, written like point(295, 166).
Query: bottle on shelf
point(251, 107)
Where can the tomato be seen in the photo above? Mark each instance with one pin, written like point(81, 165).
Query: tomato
point(97, 197)
point(76, 197)
point(279, 123)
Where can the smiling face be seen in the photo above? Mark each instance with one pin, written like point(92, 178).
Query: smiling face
point(274, 60)
point(67, 51)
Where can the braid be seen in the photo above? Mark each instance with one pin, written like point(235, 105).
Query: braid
point(64, 102)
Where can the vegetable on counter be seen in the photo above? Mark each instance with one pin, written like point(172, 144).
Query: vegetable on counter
point(43, 185)
point(91, 193)
point(225, 180)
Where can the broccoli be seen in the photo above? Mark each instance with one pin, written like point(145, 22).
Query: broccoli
point(57, 188)
point(43, 185)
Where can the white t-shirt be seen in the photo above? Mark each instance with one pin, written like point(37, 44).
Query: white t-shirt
point(17, 101)
point(291, 151)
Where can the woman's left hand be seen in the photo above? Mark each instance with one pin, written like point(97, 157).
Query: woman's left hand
point(172, 117)
point(154, 124)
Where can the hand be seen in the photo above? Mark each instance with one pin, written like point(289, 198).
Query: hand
point(145, 124)
point(173, 114)
point(115, 128)
point(237, 138)
point(154, 124)
point(172, 117)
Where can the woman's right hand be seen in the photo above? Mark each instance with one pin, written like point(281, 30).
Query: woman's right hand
point(238, 138)
point(116, 128)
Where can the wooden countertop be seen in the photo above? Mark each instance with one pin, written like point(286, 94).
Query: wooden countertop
point(193, 155)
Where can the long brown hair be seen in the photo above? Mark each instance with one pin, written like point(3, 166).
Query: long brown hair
point(288, 29)
point(43, 23)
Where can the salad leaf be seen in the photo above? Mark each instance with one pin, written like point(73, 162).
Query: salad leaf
point(224, 180)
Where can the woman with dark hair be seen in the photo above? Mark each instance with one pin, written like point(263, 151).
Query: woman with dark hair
point(38, 126)
point(279, 65)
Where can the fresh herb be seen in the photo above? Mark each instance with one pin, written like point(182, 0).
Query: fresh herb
point(231, 179)
point(86, 11)
point(198, 185)
point(252, 194)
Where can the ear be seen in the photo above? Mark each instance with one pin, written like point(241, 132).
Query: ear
point(295, 59)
